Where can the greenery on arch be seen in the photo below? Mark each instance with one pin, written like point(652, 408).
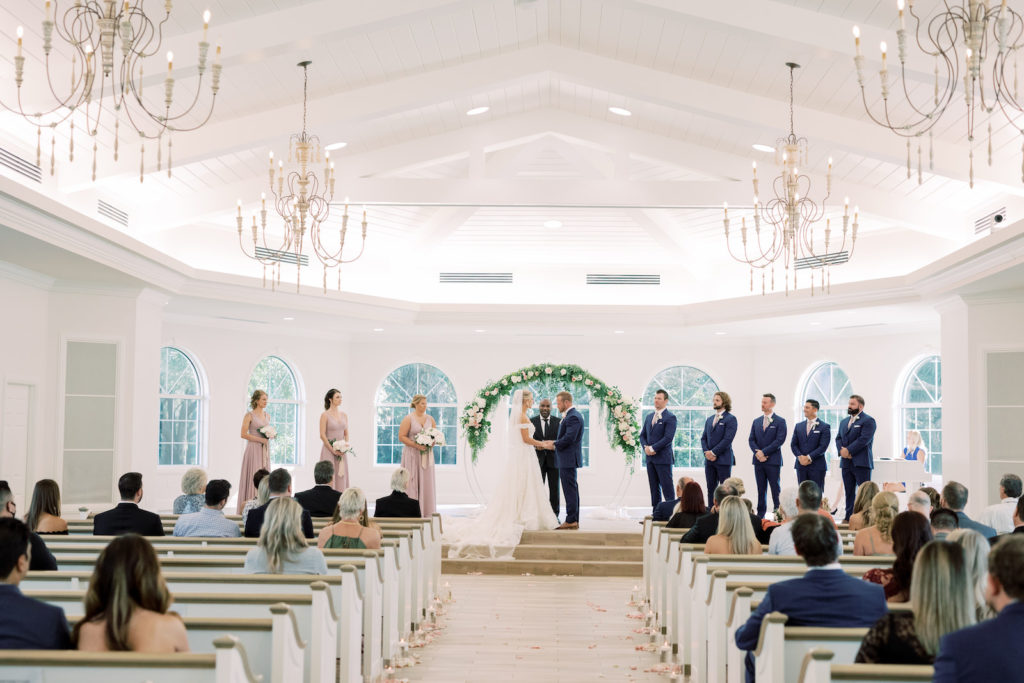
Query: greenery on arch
point(620, 413)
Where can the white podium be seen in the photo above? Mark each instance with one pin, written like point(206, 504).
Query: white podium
point(910, 471)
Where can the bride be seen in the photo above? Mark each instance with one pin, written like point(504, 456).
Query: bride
point(520, 502)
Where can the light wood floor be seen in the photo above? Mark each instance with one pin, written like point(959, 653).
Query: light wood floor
point(541, 629)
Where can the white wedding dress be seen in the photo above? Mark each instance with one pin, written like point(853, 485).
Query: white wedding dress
point(519, 504)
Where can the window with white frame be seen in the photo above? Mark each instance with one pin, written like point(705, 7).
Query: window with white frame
point(392, 404)
point(181, 409)
point(284, 407)
point(921, 409)
point(691, 394)
point(829, 385)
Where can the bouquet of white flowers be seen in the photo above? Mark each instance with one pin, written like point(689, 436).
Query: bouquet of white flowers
point(429, 437)
point(343, 447)
point(268, 431)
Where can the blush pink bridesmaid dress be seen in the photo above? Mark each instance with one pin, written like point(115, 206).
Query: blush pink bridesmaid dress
point(255, 457)
point(421, 479)
point(336, 430)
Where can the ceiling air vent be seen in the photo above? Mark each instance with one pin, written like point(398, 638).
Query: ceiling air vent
point(833, 259)
point(615, 279)
point(990, 222)
point(476, 278)
point(20, 166)
point(112, 212)
point(281, 256)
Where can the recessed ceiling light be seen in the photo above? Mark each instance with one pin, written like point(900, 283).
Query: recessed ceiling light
point(378, 329)
point(763, 148)
point(720, 333)
point(478, 331)
point(816, 323)
point(619, 111)
point(620, 332)
point(477, 110)
point(288, 317)
point(335, 145)
point(552, 224)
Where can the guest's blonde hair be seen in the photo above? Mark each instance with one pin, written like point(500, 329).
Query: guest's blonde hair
point(737, 484)
point(263, 492)
point(976, 548)
point(734, 524)
point(281, 535)
point(416, 399)
point(884, 508)
point(866, 493)
point(941, 595)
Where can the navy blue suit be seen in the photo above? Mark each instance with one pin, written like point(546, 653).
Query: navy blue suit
point(254, 522)
point(857, 468)
point(663, 511)
point(766, 474)
point(718, 439)
point(989, 651)
point(569, 457)
point(822, 597)
point(28, 624)
point(812, 445)
point(659, 466)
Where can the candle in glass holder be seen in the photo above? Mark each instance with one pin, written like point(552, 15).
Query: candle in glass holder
point(663, 652)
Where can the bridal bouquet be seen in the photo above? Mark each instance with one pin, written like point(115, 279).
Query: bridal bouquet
point(429, 437)
point(343, 447)
point(268, 432)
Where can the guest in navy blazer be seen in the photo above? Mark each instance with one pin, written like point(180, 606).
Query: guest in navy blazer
point(990, 651)
point(663, 511)
point(719, 431)
point(853, 441)
point(280, 484)
point(810, 441)
point(25, 623)
point(656, 440)
point(767, 434)
point(825, 596)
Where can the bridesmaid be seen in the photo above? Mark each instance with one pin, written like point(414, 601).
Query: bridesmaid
point(257, 449)
point(333, 426)
point(415, 457)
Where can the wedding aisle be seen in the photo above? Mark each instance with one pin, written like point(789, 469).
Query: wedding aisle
point(541, 629)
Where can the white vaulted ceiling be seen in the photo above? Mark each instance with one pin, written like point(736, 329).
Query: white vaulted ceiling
point(450, 192)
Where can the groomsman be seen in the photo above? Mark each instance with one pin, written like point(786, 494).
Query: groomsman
point(546, 427)
point(854, 440)
point(767, 434)
point(719, 431)
point(810, 441)
point(656, 438)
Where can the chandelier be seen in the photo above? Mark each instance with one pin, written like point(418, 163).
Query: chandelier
point(108, 42)
point(990, 38)
point(787, 225)
point(303, 201)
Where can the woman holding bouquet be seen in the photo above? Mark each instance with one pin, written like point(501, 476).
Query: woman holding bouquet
point(257, 446)
point(334, 427)
point(416, 458)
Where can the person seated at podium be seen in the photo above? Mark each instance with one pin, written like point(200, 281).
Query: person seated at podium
point(914, 450)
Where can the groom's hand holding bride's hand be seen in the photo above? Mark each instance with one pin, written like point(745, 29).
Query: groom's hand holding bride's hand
point(547, 445)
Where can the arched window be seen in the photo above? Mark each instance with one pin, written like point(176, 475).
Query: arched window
point(284, 406)
point(921, 409)
point(690, 395)
point(829, 385)
point(580, 401)
point(392, 404)
point(181, 409)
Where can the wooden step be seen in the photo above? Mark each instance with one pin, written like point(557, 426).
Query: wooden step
point(542, 567)
point(577, 537)
point(593, 553)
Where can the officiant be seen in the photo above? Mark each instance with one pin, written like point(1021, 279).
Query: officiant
point(545, 428)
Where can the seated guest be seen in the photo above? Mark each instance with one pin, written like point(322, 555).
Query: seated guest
point(351, 525)
point(282, 548)
point(808, 499)
point(663, 510)
point(210, 522)
point(940, 602)
point(841, 599)
point(918, 501)
point(933, 496)
point(40, 559)
point(861, 516)
point(690, 507)
point(944, 522)
point(737, 483)
point(735, 534)
point(25, 623)
point(707, 526)
point(1018, 517)
point(127, 603)
point(1000, 515)
point(976, 548)
point(789, 509)
point(262, 494)
point(398, 503)
point(128, 517)
point(44, 511)
point(954, 497)
point(877, 538)
point(990, 651)
point(193, 486)
point(910, 532)
point(279, 483)
point(320, 500)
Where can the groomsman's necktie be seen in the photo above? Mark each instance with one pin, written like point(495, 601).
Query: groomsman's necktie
point(764, 423)
point(810, 426)
point(718, 416)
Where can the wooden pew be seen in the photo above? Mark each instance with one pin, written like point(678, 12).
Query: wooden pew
point(817, 667)
point(229, 664)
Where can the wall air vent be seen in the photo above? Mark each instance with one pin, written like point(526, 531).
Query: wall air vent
point(281, 256)
point(112, 212)
point(833, 259)
point(990, 222)
point(20, 166)
point(476, 278)
point(617, 279)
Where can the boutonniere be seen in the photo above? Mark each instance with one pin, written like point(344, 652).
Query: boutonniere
point(770, 420)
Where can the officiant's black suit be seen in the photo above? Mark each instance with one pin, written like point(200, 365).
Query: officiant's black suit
point(546, 459)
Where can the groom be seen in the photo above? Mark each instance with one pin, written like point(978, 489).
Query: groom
point(568, 457)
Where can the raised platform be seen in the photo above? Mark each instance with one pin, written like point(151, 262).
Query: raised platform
point(562, 553)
